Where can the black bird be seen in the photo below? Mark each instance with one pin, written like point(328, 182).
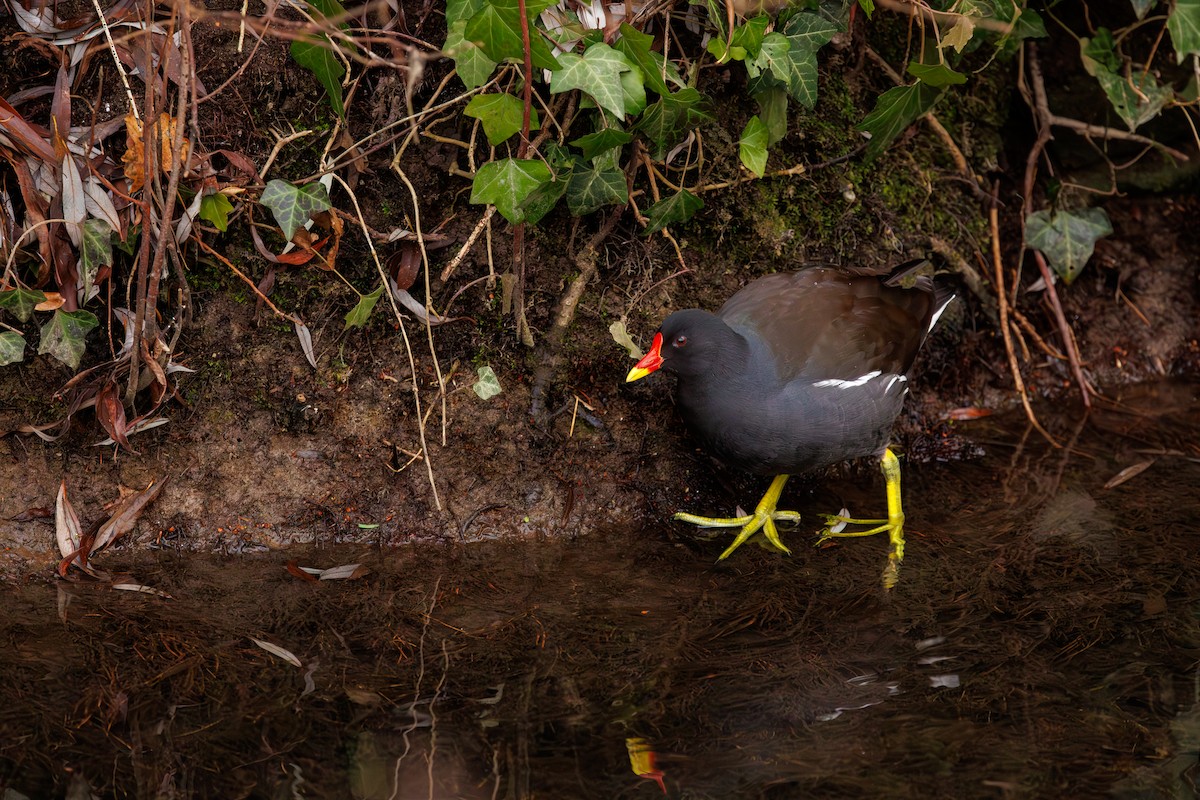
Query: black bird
point(798, 371)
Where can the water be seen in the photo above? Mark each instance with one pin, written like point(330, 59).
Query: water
point(1043, 642)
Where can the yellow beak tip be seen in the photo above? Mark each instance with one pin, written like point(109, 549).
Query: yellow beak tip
point(635, 374)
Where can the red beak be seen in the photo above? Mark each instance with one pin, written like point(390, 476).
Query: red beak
point(650, 362)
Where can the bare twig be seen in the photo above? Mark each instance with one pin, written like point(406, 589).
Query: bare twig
point(1014, 367)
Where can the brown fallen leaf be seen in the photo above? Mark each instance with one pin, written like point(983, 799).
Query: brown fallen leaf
point(1128, 473)
point(970, 412)
point(110, 412)
point(125, 516)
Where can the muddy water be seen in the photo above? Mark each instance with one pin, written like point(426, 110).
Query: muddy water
point(1043, 642)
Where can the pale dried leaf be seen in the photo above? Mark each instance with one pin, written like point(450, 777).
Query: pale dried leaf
point(278, 652)
point(621, 336)
point(183, 228)
point(137, 587)
point(306, 343)
point(66, 523)
point(74, 200)
point(1128, 473)
point(345, 572)
point(98, 203)
point(138, 427)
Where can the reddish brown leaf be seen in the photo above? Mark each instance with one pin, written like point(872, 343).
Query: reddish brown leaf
point(296, 257)
point(60, 113)
point(125, 516)
point(405, 265)
point(968, 413)
point(294, 569)
point(24, 135)
point(110, 411)
point(32, 513)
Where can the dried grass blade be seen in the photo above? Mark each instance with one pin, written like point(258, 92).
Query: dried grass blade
point(278, 652)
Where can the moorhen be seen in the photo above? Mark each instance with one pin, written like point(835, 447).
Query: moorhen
point(798, 371)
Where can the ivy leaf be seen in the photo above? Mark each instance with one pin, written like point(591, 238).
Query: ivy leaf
point(868, 7)
point(95, 251)
point(470, 62)
point(663, 120)
point(593, 144)
point(544, 198)
point(749, 35)
point(1132, 107)
point(656, 69)
point(752, 147)
point(63, 335)
point(315, 53)
point(960, 35)
point(357, 316)
point(215, 208)
point(1099, 53)
point(501, 114)
point(633, 90)
point(597, 72)
point(460, 10)
point(592, 187)
point(677, 208)
point(293, 205)
point(12, 348)
point(772, 110)
point(1067, 238)
point(936, 74)
point(1184, 26)
point(506, 182)
point(496, 28)
point(894, 111)
point(20, 302)
point(488, 385)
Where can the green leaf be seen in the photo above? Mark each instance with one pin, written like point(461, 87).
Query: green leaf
point(749, 35)
point(315, 54)
point(215, 208)
point(293, 205)
point(868, 7)
point(591, 188)
point(472, 64)
point(488, 385)
point(1133, 106)
point(894, 111)
point(596, 143)
point(20, 302)
point(772, 105)
point(496, 28)
point(677, 208)
point(810, 31)
point(95, 251)
point(752, 147)
point(501, 115)
point(12, 348)
point(357, 316)
point(63, 335)
point(936, 74)
point(506, 182)
point(664, 120)
point(597, 72)
point(633, 90)
point(1184, 26)
point(461, 10)
point(544, 198)
point(792, 60)
point(1099, 53)
point(656, 69)
point(1067, 238)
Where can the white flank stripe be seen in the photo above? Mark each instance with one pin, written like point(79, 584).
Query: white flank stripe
point(841, 384)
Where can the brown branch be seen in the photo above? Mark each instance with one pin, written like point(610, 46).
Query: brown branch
point(1014, 367)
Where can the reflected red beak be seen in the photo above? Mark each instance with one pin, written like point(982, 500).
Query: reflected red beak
point(650, 362)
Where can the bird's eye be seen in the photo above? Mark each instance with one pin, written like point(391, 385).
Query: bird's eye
point(680, 340)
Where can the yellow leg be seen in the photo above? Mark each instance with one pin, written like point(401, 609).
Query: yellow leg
point(893, 525)
point(763, 518)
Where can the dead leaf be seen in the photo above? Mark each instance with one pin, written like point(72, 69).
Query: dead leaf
point(297, 571)
point(1128, 473)
point(66, 523)
point(110, 412)
point(968, 413)
point(278, 652)
point(306, 343)
point(134, 158)
point(345, 572)
point(137, 587)
point(125, 516)
point(53, 300)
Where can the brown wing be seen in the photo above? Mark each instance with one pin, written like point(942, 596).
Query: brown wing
point(823, 323)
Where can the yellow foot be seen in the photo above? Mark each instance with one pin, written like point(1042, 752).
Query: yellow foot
point(763, 519)
point(893, 526)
